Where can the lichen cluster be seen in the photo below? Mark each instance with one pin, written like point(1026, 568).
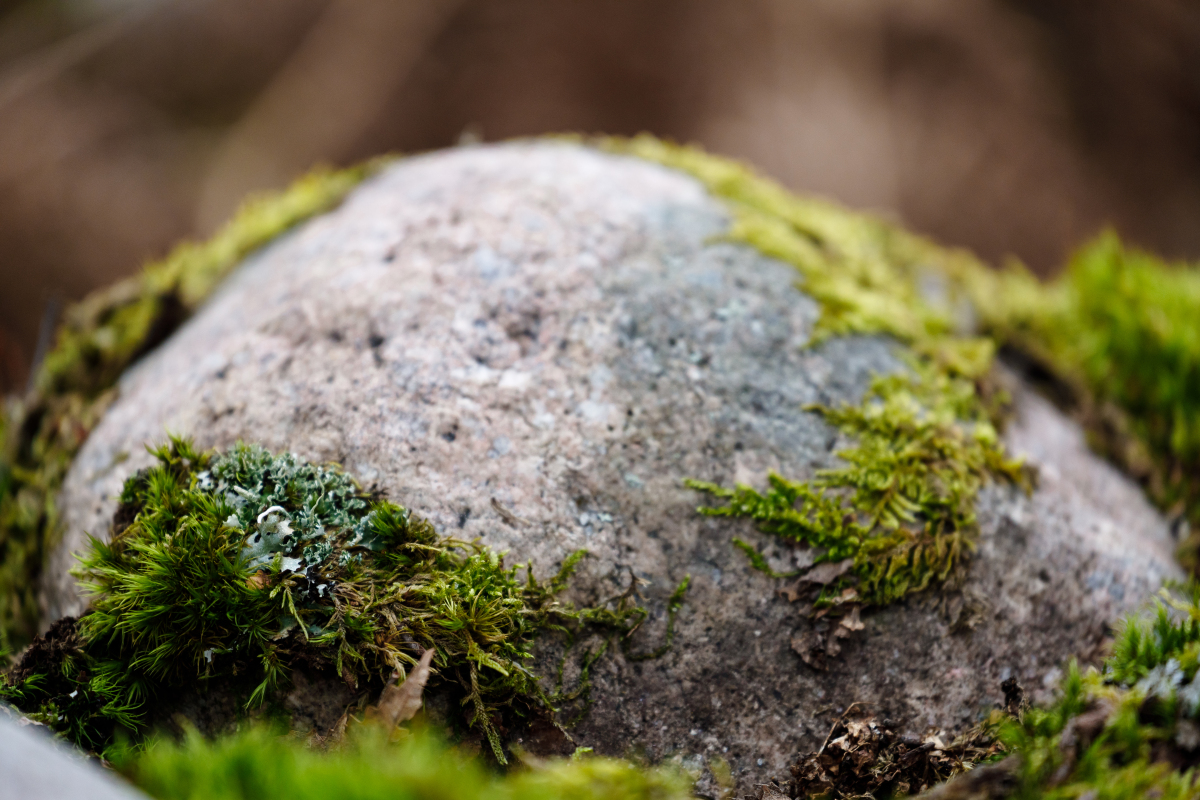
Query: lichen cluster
point(903, 506)
point(245, 563)
point(98, 338)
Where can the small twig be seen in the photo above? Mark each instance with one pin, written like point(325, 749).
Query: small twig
point(839, 721)
point(507, 515)
point(44, 340)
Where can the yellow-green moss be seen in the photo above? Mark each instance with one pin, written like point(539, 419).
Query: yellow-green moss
point(257, 764)
point(903, 508)
point(869, 276)
point(99, 337)
point(1119, 332)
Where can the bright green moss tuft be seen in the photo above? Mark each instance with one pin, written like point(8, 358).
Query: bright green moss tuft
point(257, 764)
point(1119, 330)
point(243, 563)
point(903, 506)
point(98, 339)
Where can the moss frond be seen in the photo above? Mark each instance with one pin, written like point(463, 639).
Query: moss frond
point(902, 506)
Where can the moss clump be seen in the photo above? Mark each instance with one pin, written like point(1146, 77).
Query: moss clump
point(98, 339)
point(1118, 332)
point(1129, 730)
point(903, 507)
point(243, 563)
point(257, 764)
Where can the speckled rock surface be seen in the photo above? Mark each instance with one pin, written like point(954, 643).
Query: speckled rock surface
point(534, 344)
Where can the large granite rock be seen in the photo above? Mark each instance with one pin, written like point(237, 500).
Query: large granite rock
point(534, 344)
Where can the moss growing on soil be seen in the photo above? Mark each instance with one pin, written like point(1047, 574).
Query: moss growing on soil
point(245, 563)
point(97, 340)
point(1130, 729)
point(902, 509)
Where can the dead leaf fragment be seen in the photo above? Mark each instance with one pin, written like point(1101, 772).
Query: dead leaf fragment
point(849, 623)
point(507, 515)
point(810, 646)
point(833, 648)
point(400, 702)
point(865, 756)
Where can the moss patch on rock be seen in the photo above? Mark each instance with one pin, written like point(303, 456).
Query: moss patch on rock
point(245, 563)
point(902, 510)
point(97, 340)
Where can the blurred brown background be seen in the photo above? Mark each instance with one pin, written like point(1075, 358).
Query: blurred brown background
point(1010, 126)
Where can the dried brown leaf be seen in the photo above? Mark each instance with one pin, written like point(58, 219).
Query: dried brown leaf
point(810, 646)
point(794, 590)
point(828, 572)
point(849, 623)
point(400, 702)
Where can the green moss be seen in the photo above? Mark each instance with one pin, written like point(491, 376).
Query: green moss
point(243, 563)
point(1118, 331)
point(257, 764)
point(903, 506)
point(1129, 730)
point(98, 339)
point(866, 274)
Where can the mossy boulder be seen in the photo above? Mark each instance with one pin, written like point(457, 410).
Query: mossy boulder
point(536, 344)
